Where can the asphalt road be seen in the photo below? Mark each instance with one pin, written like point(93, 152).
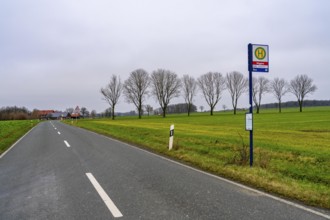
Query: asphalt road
point(61, 172)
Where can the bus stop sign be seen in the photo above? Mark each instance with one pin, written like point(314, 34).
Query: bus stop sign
point(258, 58)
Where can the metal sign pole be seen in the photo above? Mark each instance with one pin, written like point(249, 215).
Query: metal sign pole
point(251, 111)
point(250, 100)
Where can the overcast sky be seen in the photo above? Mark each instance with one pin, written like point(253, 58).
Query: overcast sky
point(58, 54)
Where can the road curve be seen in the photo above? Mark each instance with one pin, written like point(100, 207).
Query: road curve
point(61, 172)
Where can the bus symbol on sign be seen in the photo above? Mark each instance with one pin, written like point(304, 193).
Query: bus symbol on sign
point(258, 58)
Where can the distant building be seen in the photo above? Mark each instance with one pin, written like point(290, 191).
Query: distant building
point(57, 116)
point(42, 114)
point(75, 115)
point(52, 115)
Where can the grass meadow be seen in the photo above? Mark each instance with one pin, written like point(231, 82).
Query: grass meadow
point(11, 131)
point(291, 149)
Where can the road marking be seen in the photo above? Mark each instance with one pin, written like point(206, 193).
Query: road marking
point(67, 144)
point(58, 132)
point(106, 199)
point(55, 128)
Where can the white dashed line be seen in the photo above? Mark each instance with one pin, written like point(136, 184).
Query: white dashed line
point(67, 144)
point(58, 132)
point(106, 199)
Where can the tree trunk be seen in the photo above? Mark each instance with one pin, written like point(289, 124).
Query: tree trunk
point(258, 107)
point(140, 108)
point(279, 107)
point(211, 110)
point(300, 105)
point(189, 107)
point(235, 106)
point(113, 112)
point(164, 112)
point(140, 111)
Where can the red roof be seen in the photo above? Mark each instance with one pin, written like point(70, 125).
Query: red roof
point(75, 115)
point(45, 112)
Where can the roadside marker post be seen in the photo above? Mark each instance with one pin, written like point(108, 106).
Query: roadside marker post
point(258, 61)
point(170, 145)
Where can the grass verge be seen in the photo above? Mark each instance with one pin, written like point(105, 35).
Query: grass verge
point(11, 131)
point(291, 155)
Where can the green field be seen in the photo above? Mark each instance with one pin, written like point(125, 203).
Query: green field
point(11, 131)
point(292, 149)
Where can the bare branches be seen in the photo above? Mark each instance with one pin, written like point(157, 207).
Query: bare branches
point(300, 86)
point(236, 84)
point(112, 92)
point(260, 87)
point(279, 87)
point(136, 88)
point(165, 86)
point(212, 84)
point(189, 87)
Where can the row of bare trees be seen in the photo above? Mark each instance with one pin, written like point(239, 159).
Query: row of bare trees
point(299, 86)
point(165, 85)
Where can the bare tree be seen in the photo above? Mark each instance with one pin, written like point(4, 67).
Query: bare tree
point(201, 108)
point(112, 92)
point(259, 88)
point(149, 109)
point(212, 84)
point(93, 113)
point(83, 111)
point(300, 86)
point(136, 88)
point(165, 86)
point(279, 87)
point(189, 86)
point(236, 84)
point(107, 113)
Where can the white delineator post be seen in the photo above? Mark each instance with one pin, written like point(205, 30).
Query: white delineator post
point(171, 137)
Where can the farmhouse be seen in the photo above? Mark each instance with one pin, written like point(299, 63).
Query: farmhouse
point(42, 114)
point(52, 115)
point(58, 115)
point(74, 115)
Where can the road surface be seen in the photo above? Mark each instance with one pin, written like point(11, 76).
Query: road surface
point(61, 172)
